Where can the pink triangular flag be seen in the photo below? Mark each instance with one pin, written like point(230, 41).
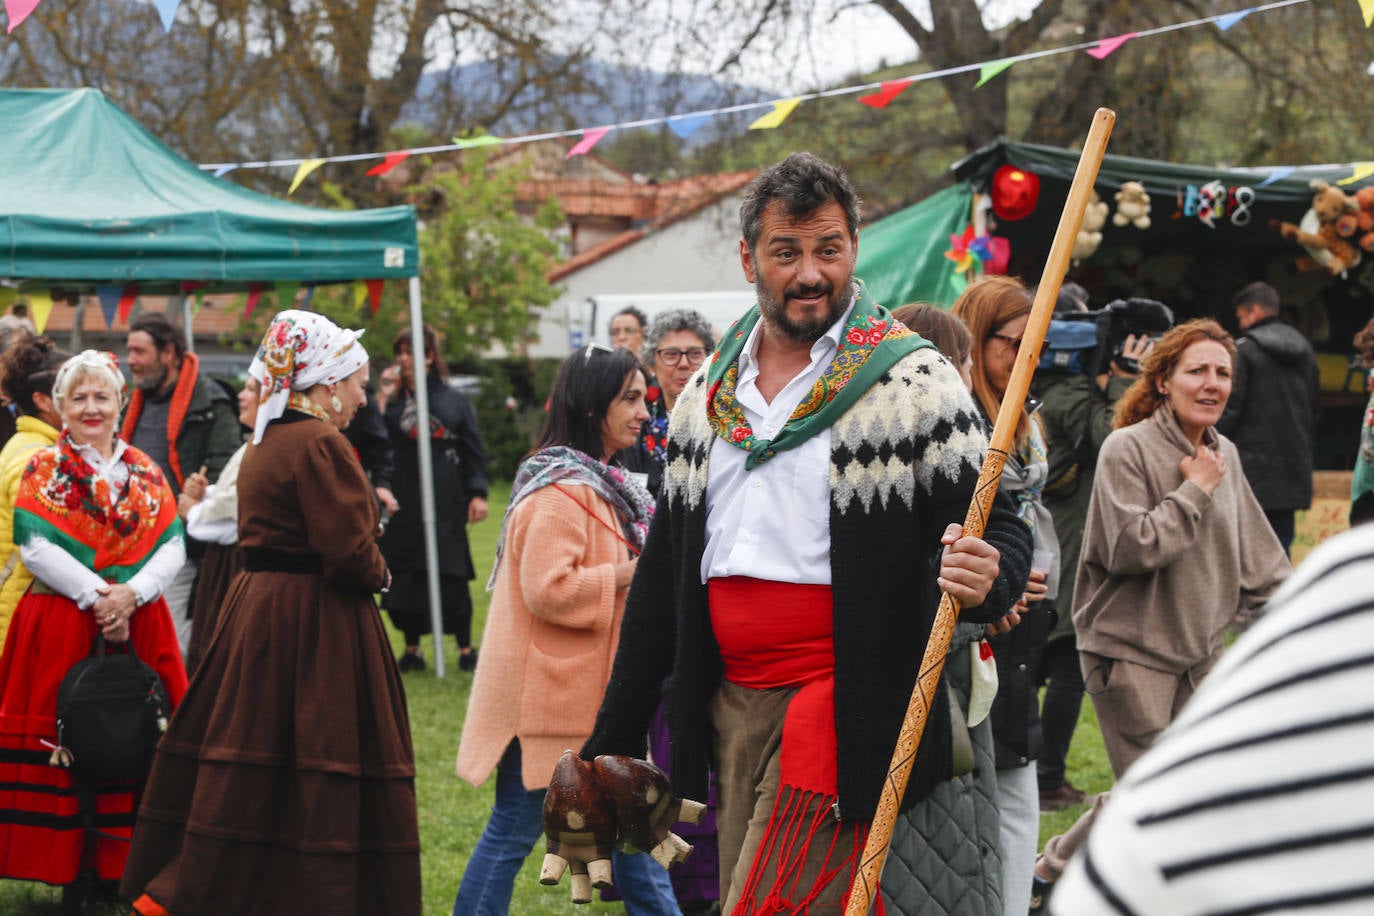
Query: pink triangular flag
point(18, 11)
point(1108, 45)
point(590, 137)
point(889, 91)
point(390, 162)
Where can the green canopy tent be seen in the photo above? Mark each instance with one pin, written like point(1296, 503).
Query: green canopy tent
point(89, 197)
point(1193, 264)
point(901, 257)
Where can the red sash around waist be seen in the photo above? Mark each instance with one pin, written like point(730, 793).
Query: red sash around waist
point(773, 634)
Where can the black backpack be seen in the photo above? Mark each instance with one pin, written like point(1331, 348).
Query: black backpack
point(111, 711)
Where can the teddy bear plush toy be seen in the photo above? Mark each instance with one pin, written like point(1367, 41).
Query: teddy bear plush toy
point(1132, 206)
point(1364, 218)
point(1325, 230)
point(1090, 230)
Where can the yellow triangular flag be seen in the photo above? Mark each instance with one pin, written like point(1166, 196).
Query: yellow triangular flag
point(1367, 7)
point(7, 297)
point(359, 293)
point(302, 172)
point(1362, 169)
point(781, 109)
point(40, 307)
point(988, 71)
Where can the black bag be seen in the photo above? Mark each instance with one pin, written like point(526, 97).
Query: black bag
point(111, 711)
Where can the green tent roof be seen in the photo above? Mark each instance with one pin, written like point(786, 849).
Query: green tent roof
point(901, 257)
point(90, 196)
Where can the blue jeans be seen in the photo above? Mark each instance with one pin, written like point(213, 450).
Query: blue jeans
point(514, 827)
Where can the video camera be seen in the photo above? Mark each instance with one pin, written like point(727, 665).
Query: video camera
point(1071, 348)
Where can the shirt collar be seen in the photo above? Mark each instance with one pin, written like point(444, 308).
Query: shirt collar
point(93, 457)
point(826, 345)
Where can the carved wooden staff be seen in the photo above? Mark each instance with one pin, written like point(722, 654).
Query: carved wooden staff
point(909, 738)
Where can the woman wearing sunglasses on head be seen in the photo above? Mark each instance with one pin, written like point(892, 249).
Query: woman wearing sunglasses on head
point(996, 311)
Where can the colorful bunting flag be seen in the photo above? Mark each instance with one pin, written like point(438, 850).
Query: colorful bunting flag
point(225, 170)
point(18, 11)
point(40, 307)
point(990, 70)
point(475, 142)
point(286, 293)
point(686, 125)
point(126, 302)
point(309, 294)
point(1107, 45)
point(390, 162)
point(7, 296)
point(889, 91)
point(254, 296)
point(109, 302)
point(359, 294)
point(374, 293)
point(302, 172)
point(1278, 174)
point(590, 137)
point(1362, 171)
point(167, 9)
point(781, 109)
point(1367, 7)
point(1230, 19)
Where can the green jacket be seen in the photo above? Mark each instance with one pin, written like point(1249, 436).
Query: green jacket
point(205, 435)
point(1077, 417)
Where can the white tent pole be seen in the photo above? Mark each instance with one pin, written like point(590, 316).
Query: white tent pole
point(422, 442)
point(186, 318)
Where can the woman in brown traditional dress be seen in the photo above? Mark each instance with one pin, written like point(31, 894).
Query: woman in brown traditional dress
point(286, 783)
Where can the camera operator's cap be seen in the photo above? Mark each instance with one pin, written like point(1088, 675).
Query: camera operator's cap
point(1015, 192)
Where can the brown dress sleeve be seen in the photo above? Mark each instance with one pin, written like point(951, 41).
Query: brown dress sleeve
point(340, 514)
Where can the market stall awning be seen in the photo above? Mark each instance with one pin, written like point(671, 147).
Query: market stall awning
point(87, 195)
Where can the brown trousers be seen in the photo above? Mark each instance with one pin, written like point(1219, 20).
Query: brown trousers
point(1134, 704)
point(748, 742)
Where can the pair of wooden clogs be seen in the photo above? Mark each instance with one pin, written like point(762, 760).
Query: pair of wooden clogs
point(592, 806)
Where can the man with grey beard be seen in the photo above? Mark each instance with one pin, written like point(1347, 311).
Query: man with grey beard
point(183, 421)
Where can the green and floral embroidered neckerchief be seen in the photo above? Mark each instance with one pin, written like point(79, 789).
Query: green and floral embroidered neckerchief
point(871, 342)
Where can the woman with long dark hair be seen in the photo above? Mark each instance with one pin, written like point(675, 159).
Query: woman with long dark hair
point(568, 548)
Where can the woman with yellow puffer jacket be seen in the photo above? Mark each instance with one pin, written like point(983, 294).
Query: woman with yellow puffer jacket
point(27, 370)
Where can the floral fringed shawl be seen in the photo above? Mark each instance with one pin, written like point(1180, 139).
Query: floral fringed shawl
point(62, 498)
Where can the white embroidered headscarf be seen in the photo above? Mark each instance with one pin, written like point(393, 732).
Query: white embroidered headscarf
point(102, 363)
point(301, 350)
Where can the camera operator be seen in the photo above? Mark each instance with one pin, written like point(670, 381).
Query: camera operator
point(1076, 412)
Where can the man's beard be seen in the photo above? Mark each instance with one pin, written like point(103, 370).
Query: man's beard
point(152, 380)
point(805, 331)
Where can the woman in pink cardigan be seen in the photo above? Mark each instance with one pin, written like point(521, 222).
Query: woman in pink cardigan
point(567, 552)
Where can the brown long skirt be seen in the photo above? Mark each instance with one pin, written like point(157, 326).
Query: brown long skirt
point(285, 783)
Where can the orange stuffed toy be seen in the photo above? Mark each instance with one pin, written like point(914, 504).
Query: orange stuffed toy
point(1326, 229)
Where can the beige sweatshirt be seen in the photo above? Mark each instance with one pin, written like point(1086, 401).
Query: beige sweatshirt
point(1165, 566)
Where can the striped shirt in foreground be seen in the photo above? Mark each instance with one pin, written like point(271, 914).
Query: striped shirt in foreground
point(1259, 799)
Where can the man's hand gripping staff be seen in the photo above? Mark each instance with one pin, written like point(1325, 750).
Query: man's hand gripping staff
point(610, 801)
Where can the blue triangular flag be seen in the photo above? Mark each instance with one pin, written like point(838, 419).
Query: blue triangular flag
point(686, 125)
point(225, 170)
point(167, 9)
point(1278, 174)
point(109, 302)
point(1230, 19)
point(305, 302)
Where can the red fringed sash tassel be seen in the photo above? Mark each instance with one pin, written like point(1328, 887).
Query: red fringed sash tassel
point(778, 634)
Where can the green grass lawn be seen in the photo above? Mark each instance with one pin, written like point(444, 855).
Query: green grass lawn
point(453, 813)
